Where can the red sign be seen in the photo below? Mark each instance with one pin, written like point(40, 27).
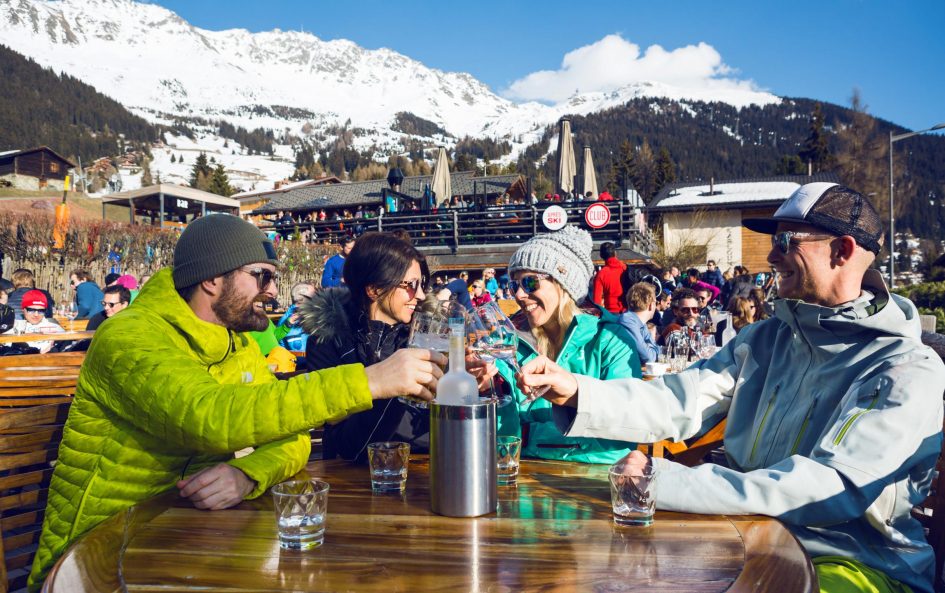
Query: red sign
point(597, 216)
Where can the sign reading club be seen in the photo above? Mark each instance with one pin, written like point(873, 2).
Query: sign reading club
point(597, 216)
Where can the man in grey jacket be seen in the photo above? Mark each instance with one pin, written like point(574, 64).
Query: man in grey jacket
point(834, 406)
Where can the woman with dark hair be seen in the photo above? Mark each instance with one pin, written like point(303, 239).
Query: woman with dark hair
point(365, 321)
point(757, 296)
point(743, 312)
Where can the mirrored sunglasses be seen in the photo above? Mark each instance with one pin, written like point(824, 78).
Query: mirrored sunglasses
point(787, 239)
point(528, 284)
point(28, 310)
point(411, 286)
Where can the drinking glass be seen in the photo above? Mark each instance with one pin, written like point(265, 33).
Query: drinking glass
point(301, 507)
point(507, 451)
point(492, 335)
point(388, 462)
point(430, 329)
point(633, 494)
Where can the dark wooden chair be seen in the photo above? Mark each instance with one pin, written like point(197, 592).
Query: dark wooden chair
point(29, 444)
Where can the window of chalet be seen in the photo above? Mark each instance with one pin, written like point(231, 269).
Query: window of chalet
point(53, 167)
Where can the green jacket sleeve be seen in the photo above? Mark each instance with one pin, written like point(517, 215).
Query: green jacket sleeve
point(167, 393)
point(275, 462)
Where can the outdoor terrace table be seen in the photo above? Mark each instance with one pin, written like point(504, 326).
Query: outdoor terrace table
point(553, 532)
point(12, 338)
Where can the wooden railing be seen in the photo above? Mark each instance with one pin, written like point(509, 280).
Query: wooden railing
point(456, 228)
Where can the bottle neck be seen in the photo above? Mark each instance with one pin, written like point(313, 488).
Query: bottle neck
point(457, 353)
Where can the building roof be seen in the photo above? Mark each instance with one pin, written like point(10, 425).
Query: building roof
point(269, 193)
point(15, 153)
point(738, 193)
point(368, 193)
point(172, 191)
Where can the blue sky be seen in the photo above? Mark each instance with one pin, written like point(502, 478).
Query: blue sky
point(892, 51)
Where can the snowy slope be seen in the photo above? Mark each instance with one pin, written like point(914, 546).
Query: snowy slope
point(161, 67)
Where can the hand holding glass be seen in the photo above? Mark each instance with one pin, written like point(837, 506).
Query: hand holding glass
point(492, 335)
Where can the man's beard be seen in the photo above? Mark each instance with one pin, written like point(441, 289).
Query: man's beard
point(236, 313)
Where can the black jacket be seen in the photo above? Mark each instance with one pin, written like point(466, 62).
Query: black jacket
point(342, 335)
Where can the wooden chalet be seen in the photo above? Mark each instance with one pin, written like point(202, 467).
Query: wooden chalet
point(34, 168)
point(712, 213)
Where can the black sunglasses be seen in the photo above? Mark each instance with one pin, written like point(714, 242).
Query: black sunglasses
point(36, 311)
point(528, 284)
point(263, 276)
point(787, 239)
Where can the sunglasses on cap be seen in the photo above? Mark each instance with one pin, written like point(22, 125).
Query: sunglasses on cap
point(263, 276)
point(411, 286)
point(528, 284)
point(785, 240)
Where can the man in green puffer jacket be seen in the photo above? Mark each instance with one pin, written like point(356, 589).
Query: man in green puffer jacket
point(172, 387)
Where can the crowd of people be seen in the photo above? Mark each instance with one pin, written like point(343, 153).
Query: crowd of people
point(833, 404)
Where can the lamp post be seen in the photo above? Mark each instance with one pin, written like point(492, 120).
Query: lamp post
point(892, 216)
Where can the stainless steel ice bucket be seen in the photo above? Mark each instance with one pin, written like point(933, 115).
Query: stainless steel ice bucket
point(462, 459)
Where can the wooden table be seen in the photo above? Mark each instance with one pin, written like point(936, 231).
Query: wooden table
point(78, 335)
point(553, 532)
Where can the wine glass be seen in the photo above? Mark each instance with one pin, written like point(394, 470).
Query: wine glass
point(71, 311)
point(429, 328)
point(492, 335)
point(677, 348)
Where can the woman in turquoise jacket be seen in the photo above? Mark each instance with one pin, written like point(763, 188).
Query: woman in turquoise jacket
point(550, 274)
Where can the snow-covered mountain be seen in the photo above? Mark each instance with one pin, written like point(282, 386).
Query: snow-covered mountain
point(161, 67)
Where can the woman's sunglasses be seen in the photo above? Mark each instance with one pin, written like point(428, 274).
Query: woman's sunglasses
point(528, 284)
point(787, 239)
point(411, 286)
point(263, 276)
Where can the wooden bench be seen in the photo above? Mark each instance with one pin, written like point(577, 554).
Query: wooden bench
point(37, 379)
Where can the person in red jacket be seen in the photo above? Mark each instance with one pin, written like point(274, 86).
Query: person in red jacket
point(608, 283)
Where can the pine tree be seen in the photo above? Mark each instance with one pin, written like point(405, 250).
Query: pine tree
point(173, 158)
point(643, 172)
point(665, 169)
point(219, 183)
point(862, 154)
point(815, 151)
point(201, 172)
point(146, 179)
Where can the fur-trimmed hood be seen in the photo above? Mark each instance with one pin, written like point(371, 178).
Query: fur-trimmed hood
point(327, 315)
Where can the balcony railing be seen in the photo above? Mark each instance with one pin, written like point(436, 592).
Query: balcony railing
point(456, 228)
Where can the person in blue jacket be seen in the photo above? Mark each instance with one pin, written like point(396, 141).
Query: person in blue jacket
point(332, 275)
point(641, 305)
point(88, 296)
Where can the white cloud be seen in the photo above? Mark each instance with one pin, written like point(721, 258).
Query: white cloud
point(614, 62)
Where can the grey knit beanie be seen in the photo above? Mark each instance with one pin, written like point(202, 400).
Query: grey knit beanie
point(564, 255)
point(216, 244)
